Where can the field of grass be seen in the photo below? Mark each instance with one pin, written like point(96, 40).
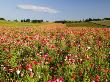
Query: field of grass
point(54, 53)
point(85, 24)
point(103, 22)
point(19, 24)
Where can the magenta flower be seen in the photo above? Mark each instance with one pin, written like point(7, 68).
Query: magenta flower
point(29, 67)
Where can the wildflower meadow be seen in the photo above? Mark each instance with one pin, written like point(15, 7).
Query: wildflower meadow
point(54, 53)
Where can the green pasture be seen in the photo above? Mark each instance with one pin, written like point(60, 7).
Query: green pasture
point(86, 24)
point(103, 22)
point(19, 24)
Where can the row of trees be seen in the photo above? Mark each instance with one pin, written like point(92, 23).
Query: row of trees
point(2, 19)
point(98, 19)
point(90, 19)
point(84, 20)
point(33, 21)
point(25, 20)
point(64, 21)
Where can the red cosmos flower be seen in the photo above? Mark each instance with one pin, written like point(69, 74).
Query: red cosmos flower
point(99, 68)
point(29, 67)
point(37, 54)
point(106, 70)
point(56, 80)
point(80, 61)
point(10, 70)
point(6, 49)
point(49, 59)
point(72, 60)
point(73, 76)
point(98, 42)
point(2, 80)
point(18, 42)
point(97, 78)
point(31, 38)
point(81, 73)
point(51, 81)
point(60, 79)
point(19, 67)
point(45, 41)
point(34, 62)
point(92, 65)
point(26, 36)
point(16, 81)
point(52, 46)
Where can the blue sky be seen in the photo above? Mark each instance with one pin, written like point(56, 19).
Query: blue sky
point(54, 9)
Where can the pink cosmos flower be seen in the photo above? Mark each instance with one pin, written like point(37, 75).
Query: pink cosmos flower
point(52, 81)
point(56, 80)
point(31, 74)
point(29, 67)
point(60, 79)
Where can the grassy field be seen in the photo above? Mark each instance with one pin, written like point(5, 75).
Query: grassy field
point(93, 24)
point(103, 22)
point(19, 24)
point(53, 53)
point(86, 24)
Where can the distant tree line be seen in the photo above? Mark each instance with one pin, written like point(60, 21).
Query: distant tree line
point(2, 19)
point(33, 21)
point(25, 20)
point(98, 19)
point(90, 19)
point(84, 20)
point(66, 21)
point(106, 18)
point(62, 21)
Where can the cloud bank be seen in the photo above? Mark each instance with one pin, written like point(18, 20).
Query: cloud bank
point(37, 8)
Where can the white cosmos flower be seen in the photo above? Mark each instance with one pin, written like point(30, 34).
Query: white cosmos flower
point(18, 72)
point(88, 47)
point(30, 69)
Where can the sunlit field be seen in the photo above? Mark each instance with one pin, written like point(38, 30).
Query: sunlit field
point(92, 24)
point(19, 24)
point(104, 22)
point(54, 53)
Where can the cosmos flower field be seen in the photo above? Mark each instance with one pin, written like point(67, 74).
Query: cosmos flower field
point(54, 53)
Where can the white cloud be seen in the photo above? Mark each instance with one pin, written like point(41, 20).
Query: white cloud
point(37, 8)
